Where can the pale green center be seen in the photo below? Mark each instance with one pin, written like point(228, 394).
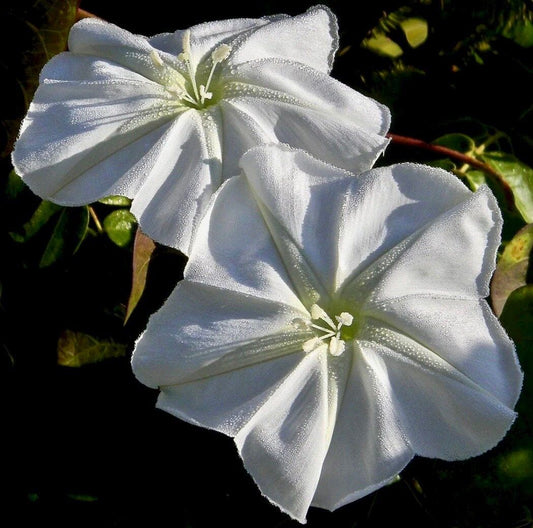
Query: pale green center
point(330, 332)
point(194, 89)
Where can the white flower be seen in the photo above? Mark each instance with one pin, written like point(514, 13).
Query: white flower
point(337, 326)
point(164, 120)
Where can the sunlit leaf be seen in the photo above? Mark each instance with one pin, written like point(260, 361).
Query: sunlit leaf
point(117, 201)
point(511, 272)
point(75, 349)
point(67, 236)
point(416, 31)
point(120, 226)
point(142, 253)
point(518, 176)
point(383, 45)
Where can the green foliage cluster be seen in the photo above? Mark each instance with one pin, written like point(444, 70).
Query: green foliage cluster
point(77, 285)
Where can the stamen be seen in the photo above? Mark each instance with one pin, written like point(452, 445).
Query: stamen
point(156, 58)
point(311, 344)
point(319, 313)
point(345, 319)
point(221, 53)
point(185, 56)
point(336, 345)
point(186, 43)
point(204, 94)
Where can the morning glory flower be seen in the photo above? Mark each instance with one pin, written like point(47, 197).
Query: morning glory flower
point(164, 120)
point(336, 326)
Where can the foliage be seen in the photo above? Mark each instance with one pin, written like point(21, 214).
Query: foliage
point(77, 285)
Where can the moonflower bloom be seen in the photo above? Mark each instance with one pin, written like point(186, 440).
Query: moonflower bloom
point(337, 326)
point(164, 120)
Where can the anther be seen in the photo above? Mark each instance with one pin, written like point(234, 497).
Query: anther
point(156, 58)
point(335, 345)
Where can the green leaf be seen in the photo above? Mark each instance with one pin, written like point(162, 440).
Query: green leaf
point(117, 201)
point(416, 31)
point(511, 271)
point(476, 178)
point(142, 253)
point(75, 349)
point(518, 176)
point(14, 186)
point(383, 45)
point(456, 141)
point(67, 236)
point(120, 226)
point(42, 215)
point(521, 32)
point(517, 319)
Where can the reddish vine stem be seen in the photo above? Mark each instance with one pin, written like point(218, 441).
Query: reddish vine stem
point(458, 156)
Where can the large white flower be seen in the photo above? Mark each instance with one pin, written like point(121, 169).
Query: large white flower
point(164, 120)
point(336, 326)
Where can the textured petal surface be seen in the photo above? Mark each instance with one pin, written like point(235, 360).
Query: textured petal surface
point(453, 255)
point(288, 38)
point(235, 250)
point(178, 187)
point(443, 412)
point(290, 187)
point(205, 37)
point(388, 205)
point(203, 331)
point(448, 327)
point(307, 110)
point(369, 447)
point(97, 38)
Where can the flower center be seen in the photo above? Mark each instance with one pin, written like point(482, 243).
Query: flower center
point(188, 88)
point(329, 335)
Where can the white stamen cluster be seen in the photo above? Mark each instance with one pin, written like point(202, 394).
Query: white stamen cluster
point(199, 93)
point(332, 332)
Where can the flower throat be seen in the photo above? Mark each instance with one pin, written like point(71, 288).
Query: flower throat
point(189, 90)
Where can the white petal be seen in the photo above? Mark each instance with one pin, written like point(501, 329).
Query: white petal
point(205, 37)
point(386, 205)
point(328, 135)
point(420, 247)
point(92, 36)
point(205, 331)
point(283, 445)
point(81, 141)
point(312, 89)
point(444, 413)
point(233, 249)
point(464, 333)
point(289, 38)
point(178, 187)
point(368, 447)
point(455, 255)
point(300, 199)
